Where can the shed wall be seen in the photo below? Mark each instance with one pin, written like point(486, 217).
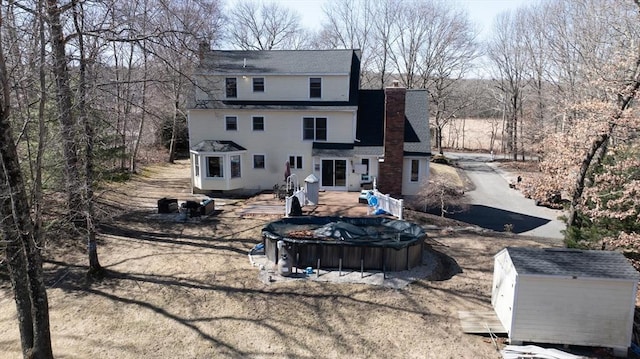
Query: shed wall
point(579, 311)
point(503, 289)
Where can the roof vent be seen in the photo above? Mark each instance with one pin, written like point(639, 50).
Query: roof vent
point(396, 83)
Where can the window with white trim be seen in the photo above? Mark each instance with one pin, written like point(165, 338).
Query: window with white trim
point(315, 87)
point(231, 87)
point(196, 165)
point(415, 170)
point(258, 84)
point(295, 162)
point(231, 123)
point(235, 166)
point(314, 128)
point(257, 123)
point(215, 166)
point(258, 161)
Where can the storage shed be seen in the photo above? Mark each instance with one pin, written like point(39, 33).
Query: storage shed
point(565, 296)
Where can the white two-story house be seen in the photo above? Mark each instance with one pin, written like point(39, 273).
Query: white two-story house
point(255, 113)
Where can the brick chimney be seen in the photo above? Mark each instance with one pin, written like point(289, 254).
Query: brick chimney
point(390, 171)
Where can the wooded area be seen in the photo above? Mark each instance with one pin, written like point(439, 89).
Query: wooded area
point(90, 90)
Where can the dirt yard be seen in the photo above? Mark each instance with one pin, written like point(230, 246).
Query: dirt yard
point(188, 290)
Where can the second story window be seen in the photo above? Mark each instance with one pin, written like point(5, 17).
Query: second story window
point(258, 123)
point(231, 123)
point(314, 128)
point(315, 87)
point(231, 86)
point(258, 84)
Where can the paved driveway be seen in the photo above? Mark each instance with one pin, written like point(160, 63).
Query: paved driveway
point(494, 204)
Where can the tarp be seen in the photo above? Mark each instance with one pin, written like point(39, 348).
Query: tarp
point(374, 231)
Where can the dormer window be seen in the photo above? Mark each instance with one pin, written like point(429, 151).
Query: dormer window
point(258, 84)
point(315, 87)
point(231, 86)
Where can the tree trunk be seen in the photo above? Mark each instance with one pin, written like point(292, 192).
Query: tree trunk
point(16, 228)
point(92, 247)
point(136, 144)
point(65, 105)
point(174, 132)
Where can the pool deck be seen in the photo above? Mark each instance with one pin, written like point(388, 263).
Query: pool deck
point(330, 203)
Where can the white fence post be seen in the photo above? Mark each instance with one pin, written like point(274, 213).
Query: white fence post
point(389, 204)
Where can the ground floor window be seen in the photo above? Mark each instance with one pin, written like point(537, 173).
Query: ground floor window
point(235, 166)
point(295, 162)
point(415, 170)
point(196, 165)
point(258, 161)
point(215, 167)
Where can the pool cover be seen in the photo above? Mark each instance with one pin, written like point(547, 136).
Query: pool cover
point(369, 231)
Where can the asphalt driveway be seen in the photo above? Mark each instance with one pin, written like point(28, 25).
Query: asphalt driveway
point(494, 205)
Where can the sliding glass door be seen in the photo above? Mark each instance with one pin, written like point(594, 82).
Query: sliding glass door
point(334, 174)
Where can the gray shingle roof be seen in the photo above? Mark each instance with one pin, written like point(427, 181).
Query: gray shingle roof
point(417, 113)
point(217, 146)
point(571, 263)
point(277, 62)
point(370, 127)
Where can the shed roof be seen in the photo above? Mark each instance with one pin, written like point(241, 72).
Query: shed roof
point(571, 263)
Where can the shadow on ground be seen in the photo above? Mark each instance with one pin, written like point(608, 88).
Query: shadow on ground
point(497, 219)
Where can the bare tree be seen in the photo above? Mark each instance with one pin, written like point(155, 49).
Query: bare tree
point(22, 247)
point(266, 26)
point(384, 15)
point(410, 32)
point(65, 105)
point(89, 133)
point(442, 194)
point(507, 52)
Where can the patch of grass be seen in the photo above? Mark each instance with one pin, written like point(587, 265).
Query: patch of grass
point(117, 176)
point(438, 170)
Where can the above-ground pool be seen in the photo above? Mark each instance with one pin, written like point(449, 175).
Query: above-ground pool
point(348, 242)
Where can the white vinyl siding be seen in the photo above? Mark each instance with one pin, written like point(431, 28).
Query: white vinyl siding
point(276, 88)
point(280, 139)
point(561, 309)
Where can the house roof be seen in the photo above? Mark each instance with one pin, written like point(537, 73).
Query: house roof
point(217, 146)
point(571, 263)
point(332, 149)
point(284, 62)
point(273, 62)
point(370, 127)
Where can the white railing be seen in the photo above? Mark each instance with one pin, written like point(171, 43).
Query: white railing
point(301, 194)
point(389, 204)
